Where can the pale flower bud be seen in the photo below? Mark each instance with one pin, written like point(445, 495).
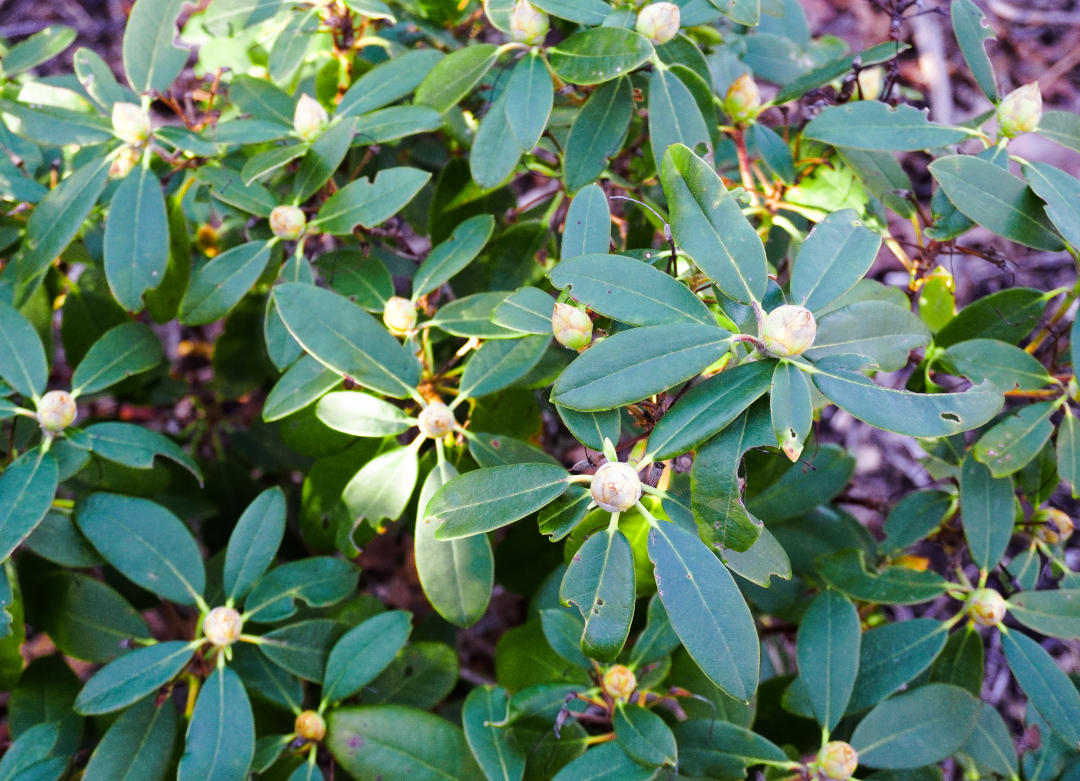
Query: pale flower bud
point(743, 101)
point(123, 163)
point(399, 314)
point(788, 330)
point(288, 222)
point(310, 118)
point(56, 411)
point(1020, 111)
point(527, 24)
point(310, 726)
point(1052, 526)
point(616, 486)
point(985, 606)
point(619, 683)
point(838, 760)
point(130, 123)
point(571, 326)
point(222, 626)
point(659, 22)
point(436, 420)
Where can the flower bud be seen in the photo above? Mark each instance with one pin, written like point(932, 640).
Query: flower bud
point(222, 626)
point(572, 327)
point(56, 411)
point(310, 726)
point(616, 486)
point(985, 606)
point(619, 683)
point(1052, 526)
point(527, 24)
point(743, 101)
point(838, 760)
point(310, 118)
point(436, 420)
point(130, 123)
point(123, 163)
point(399, 314)
point(788, 330)
point(659, 22)
point(288, 222)
point(1020, 111)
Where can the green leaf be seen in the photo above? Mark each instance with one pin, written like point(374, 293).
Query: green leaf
point(456, 575)
point(711, 748)
point(828, 655)
point(1067, 449)
point(607, 762)
point(367, 202)
point(486, 499)
point(362, 415)
point(836, 255)
point(706, 609)
point(133, 746)
point(874, 126)
point(383, 486)
point(346, 339)
point(451, 256)
point(834, 69)
point(644, 736)
point(674, 116)
point(497, 450)
point(587, 229)
point(28, 758)
point(592, 428)
point(1060, 191)
point(323, 158)
point(1011, 444)
point(87, 619)
point(304, 647)
point(136, 238)
point(791, 407)
point(221, 735)
point(746, 12)
point(1061, 127)
point(971, 30)
point(97, 79)
point(390, 124)
point(840, 378)
point(362, 279)
point(710, 227)
point(58, 540)
point(40, 47)
point(124, 350)
point(880, 330)
point(758, 563)
point(913, 518)
point(991, 744)
point(151, 60)
point(986, 505)
point(657, 640)
point(628, 290)
point(499, 363)
point(291, 45)
point(600, 583)
point(587, 12)
point(1008, 316)
point(319, 581)
point(824, 475)
point(961, 662)
point(388, 81)
point(220, 284)
point(131, 445)
point(454, 76)
point(562, 516)
point(635, 364)
point(883, 176)
point(599, 54)
point(262, 99)
point(529, 97)
point(1046, 685)
point(1054, 612)
point(471, 316)
point(494, 153)
point(22, 358)
point(529, 310)
point(421, 676)
point(268, 161)
point(846, 572)
point(893, 654)
point(1005, 365)
point(132, 677)
point(996, 199)
point(27, 489)
point(920, 727)
point(494, 748)
point(149, 545)
point(254, 543)
point(364, 652)
point(563, 630)
point(597, 132)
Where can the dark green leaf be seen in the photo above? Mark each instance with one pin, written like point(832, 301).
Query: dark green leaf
point(599, 54)
point(57, 539)
point(388, 81)
point(674, 116)
point(390, 124)
point(471, 316)
point(221, 735)
point(87, 619)
point(1061, 127)
point(254, 542)
point(1060, 191)
point(644, 736)
point(151, 59)
point(124, 350)
point(1011, 444)
point(364, 652)
point(451, 256)
point(383, 486)
point(913, 518)
point(961, 661)
point(454, 76)
point(846, 571)
point(834, 69)
point(486, 499)
point(220, 284)
point(134, 745)
point(318, 581)
point(1008, 316)
point(563, 630)
point(587, 230)
point(986, 505)
point(131, 445)
point(367, 202)
point(1046, 685)
point(791, 407)
point(879, 330)
point(363, 279)
point(1054, 612)
point(27, 489)
point(494, 748)
point(132, 677)
point(529, 97)
point(712, 748)
point(607, 762)
point(22, 358)
point(893, 654)
point(592, 428)
point(1005, 365)
point(875, 126)
point(304, 647)
point(529, 310)
point(600, 583)
point(500, 363)
point(828, 655)
point(40, 47)
point(495, 153)
point(991, 744)
point(836, 255)
point(322, 159)
point(971, 30)
point(597, 132)
point(136, 238)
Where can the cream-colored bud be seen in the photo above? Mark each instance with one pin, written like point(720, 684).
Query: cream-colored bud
point(436, 420)
point(527, 23)
point(310, 119)
point(124, 162)
point(1052, 525)
point(616, 486)
point(838, 760)
point(288, 222)
point(788, 330)
point(659, 22)
point(399, 314)
point(743, 101)
point(619, 682)
point(985, 606)
point(310, 726)
point(130, 123)
point(222, 626)
point(572, 327)
point(56, 411)
point(1020, 111)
